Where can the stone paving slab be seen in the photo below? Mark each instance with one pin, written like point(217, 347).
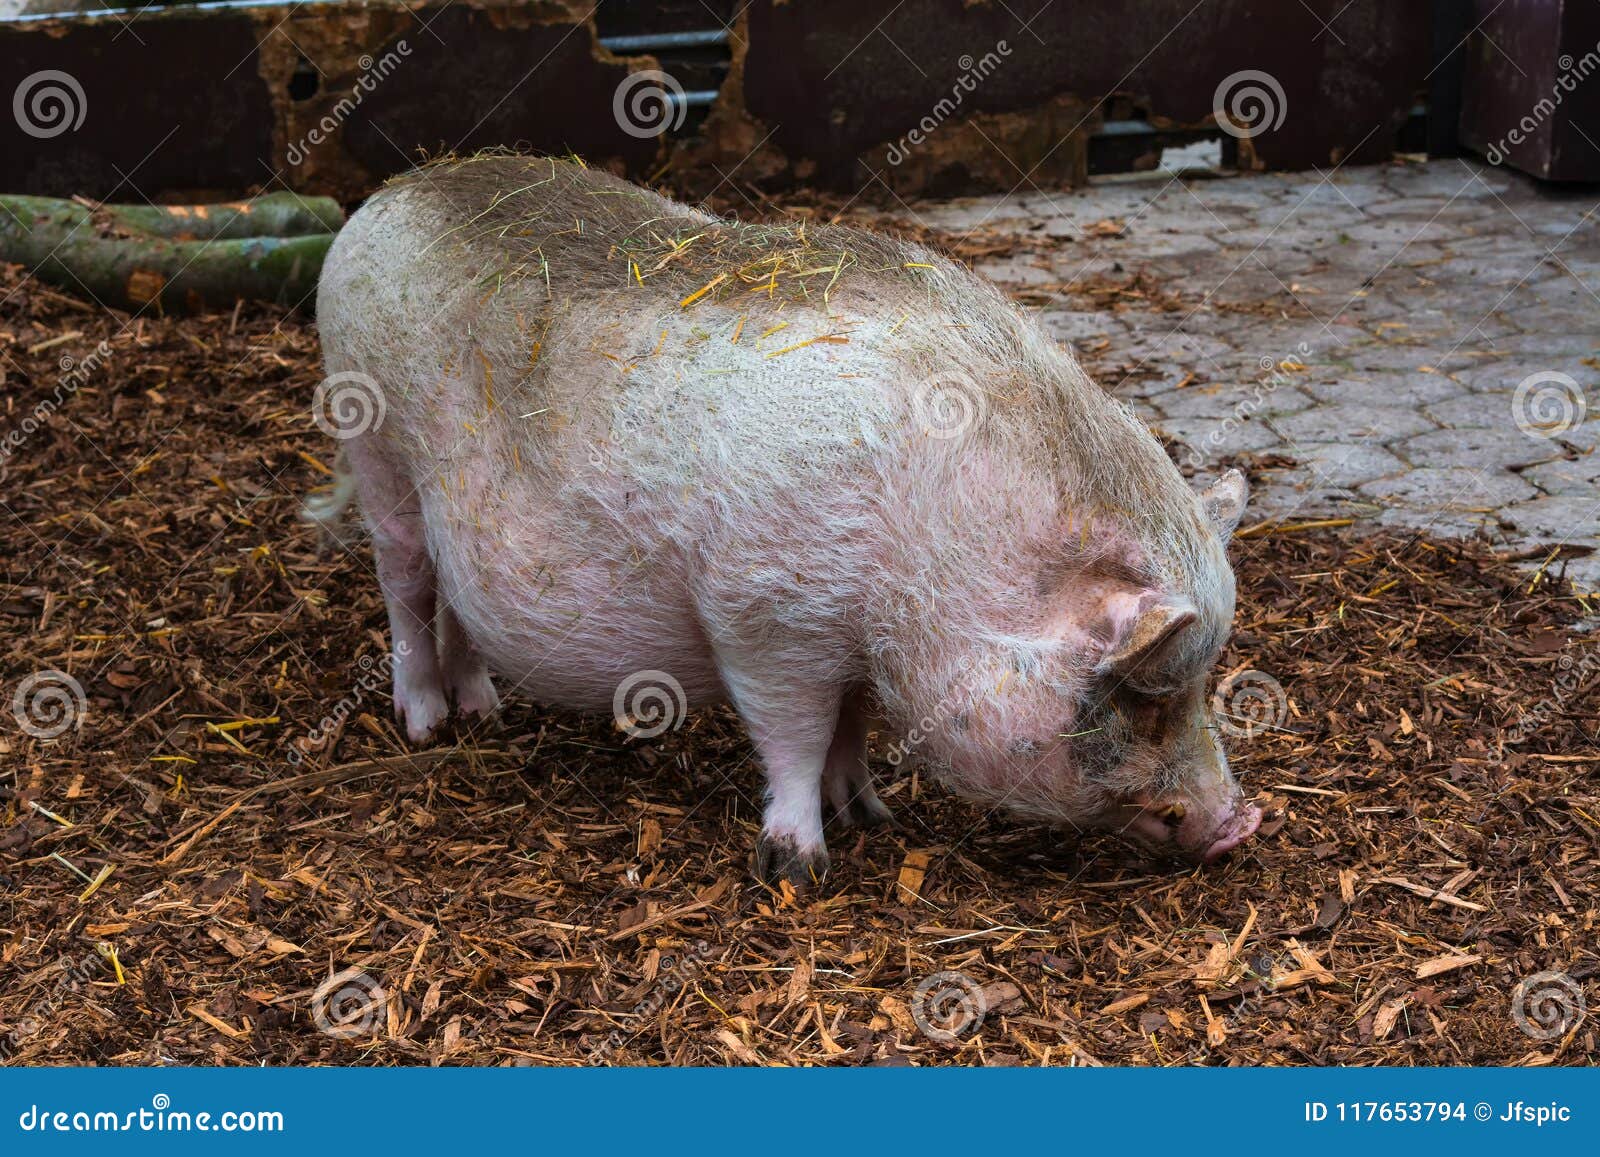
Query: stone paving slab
point(1414, 345)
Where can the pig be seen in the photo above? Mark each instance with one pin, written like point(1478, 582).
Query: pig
point(629, 456)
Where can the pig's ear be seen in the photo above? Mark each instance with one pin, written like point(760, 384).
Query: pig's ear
point(1145, 635)
point(1223, 501)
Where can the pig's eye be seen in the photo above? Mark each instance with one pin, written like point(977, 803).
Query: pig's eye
point(1148, 713)
point(1151, 690)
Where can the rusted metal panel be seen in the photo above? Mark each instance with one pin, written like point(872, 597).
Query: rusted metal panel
point(530, 76)
point(180, 107)
point(331, 98)
point(1531, 94)
point(921, 96)
point(839, 83)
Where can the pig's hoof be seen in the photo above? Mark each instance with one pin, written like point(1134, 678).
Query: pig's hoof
point(865, 810)
point(420, 711)
point(475, 695)
point(780, 858)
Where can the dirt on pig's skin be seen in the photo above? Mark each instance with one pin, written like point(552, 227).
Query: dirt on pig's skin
point(547, 890)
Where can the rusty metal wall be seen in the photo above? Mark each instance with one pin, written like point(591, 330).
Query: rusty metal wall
point(1531, 95)
point(839, 81)
point(231, 99)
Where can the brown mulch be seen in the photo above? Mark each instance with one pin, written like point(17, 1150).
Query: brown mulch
point(546, 890)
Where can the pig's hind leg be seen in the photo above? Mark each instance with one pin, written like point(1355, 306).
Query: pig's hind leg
point(405, 573)
point(846, 779)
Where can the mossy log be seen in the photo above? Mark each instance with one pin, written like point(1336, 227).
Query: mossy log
point(179, 276)
point(131, 268)
point(275, 215)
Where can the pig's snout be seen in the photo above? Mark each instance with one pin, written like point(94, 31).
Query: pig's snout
point(1235, 830)
point(1192, 830)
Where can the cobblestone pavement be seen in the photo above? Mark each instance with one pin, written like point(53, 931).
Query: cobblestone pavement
point(1408, 345)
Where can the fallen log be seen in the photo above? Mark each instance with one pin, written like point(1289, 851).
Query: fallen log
point(106, 255)
point(176, 276)
point(274, 215)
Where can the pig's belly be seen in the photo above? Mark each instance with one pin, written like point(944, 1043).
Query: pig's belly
point(584, 633)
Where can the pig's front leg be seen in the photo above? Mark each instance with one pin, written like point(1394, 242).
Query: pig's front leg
point(792, 729)
point(465, 674)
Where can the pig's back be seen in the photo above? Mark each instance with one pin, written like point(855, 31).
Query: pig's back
point(473, 257)
point(532, 308)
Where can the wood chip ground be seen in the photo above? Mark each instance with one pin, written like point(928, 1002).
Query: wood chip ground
point(546, 890)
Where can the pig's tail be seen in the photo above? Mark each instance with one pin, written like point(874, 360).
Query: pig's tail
point(326, 509)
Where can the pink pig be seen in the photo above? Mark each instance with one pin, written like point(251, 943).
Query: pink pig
point(631, 457)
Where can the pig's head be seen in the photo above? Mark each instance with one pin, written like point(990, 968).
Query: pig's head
point(1096, 714)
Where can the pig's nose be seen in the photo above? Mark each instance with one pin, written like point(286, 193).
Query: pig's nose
point(1238, 828)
